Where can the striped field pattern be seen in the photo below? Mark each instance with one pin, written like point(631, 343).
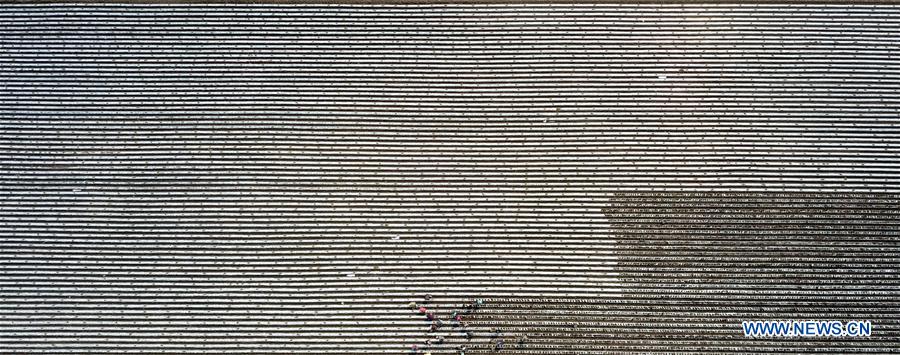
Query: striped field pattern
point(181, 179)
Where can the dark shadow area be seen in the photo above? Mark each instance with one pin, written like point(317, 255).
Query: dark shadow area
point(697, 264)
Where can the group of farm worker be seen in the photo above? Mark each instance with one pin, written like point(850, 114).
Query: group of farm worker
point(456, 321)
